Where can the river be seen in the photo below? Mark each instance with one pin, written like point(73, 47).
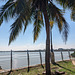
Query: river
point(20, 59)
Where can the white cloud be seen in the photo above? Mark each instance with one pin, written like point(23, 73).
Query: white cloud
point(24, 47)
point(34, 47)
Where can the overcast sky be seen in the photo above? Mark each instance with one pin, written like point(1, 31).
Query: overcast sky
point(25, 41)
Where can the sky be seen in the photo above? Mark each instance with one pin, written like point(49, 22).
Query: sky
point(25, 41)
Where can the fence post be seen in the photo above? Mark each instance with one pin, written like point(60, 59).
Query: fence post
point(61, 55)
point(28, 59)
point(11, 61)
point(41, 59)
point(69, 55)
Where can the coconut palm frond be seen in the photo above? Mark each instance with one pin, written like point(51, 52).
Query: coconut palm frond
point(27, 21)
point(62, 2)
point(59, 23)
point(65, 32)
point(73, 15)
point(6, 11)
point(1, 21)
point(65, 28)
point(38, 18)
point(57, 16)
point(66, 3)
point(16, 27)
point(38, 23)
point(37, 4)
point(25, 26)
point(13, 7)
point(19, 6)
point(27, 14)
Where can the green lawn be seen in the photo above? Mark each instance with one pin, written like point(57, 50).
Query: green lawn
point(65, 66)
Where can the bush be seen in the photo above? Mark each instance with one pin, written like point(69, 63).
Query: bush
point(73, 54)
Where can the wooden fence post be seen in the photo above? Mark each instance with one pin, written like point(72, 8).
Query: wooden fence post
point(28, 59)
point(61, 55)
point(41, 59)
point(11, 61)
point(69, 55)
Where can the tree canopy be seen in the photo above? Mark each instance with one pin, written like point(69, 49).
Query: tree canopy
point(24, 11)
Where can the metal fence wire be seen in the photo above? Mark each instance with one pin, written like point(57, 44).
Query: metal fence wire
point(27, 58)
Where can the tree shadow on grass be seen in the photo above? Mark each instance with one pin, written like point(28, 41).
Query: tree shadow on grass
point(64, 67)
point(9, 72)
point(65, 61)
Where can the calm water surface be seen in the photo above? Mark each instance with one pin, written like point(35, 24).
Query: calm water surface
point(20, 58)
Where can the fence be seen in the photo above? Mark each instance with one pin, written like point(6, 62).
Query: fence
point(28, 57)
point(40, 56)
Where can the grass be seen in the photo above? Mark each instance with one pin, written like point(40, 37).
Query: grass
point(65, 66)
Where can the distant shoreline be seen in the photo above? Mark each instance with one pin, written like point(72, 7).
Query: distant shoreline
point(55, 50)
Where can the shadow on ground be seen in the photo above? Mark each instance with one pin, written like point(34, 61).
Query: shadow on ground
point(64, 67)
point(9, 72)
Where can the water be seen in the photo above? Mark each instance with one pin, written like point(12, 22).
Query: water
point(20, 59)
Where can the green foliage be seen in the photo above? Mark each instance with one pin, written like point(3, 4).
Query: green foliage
point(5, 11)
point(38, 23)
point(23, 11)
point(56, 15)
point(73, 54)
point(68, 4)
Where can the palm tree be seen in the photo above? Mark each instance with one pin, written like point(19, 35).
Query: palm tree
point(52, 52)
point(26, 10)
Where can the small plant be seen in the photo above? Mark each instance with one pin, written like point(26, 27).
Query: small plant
point(73, 54)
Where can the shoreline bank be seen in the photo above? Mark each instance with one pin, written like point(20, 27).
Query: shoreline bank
point(5, 71)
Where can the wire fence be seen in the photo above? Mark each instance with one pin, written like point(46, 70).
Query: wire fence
point(19, 59)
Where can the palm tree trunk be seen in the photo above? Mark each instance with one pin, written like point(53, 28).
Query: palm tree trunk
point(47, 53)
point(51, 42)
point(52, 52)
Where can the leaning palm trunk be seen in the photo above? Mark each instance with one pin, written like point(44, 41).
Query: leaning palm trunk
point(52, 52)
point(52, 58)
point(47, 53)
